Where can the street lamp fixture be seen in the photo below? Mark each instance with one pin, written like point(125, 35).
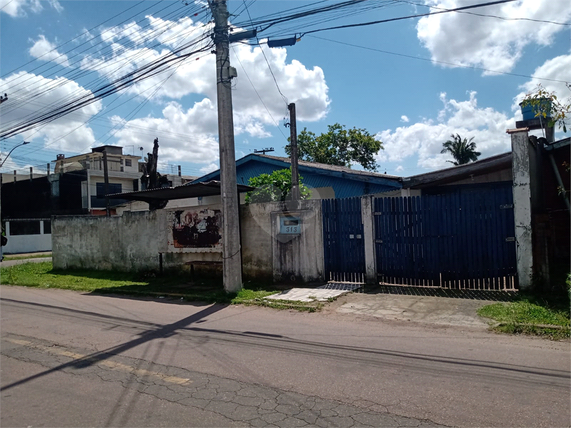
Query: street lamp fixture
point(10, 152)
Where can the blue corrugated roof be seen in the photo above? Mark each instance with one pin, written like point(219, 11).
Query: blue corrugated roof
point(344, 181)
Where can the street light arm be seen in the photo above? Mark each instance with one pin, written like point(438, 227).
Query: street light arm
point(10, 152)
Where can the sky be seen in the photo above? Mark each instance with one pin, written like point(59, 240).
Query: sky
point(411, 83)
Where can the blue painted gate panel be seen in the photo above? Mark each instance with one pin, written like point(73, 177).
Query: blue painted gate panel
point(343, 239)
point(462, 239)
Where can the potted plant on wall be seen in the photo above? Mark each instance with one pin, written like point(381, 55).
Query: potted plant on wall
point(547, 107)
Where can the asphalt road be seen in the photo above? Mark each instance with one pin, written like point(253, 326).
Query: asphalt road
point(69, 359)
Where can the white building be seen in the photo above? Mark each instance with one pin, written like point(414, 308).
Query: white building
point(124, 173)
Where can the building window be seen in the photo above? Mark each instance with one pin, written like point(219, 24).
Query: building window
point(113, 188)
point(128, 162)
point(25, 227)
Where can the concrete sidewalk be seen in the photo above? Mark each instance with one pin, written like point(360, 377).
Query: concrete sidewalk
point(27, 258)
point(443, 307)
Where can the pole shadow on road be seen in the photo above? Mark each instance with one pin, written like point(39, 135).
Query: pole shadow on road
point(188, 328)
point(160, 332)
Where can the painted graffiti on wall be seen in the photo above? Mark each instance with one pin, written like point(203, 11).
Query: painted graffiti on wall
point(197, 228)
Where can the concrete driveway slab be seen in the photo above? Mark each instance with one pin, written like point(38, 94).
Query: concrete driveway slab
point(422, 309)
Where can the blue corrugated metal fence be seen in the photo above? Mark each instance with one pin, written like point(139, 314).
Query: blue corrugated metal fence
point(343, 240)
point(463, 239)
point(456, 240)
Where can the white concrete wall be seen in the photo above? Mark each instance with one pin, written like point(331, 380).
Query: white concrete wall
point(27, 243)
point(267, 255)
point(128, 243)
point(133, 241)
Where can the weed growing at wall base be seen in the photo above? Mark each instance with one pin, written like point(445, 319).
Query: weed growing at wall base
point(540, 316)
point(171, 286)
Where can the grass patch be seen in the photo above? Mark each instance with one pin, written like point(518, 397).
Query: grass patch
point(547, 316)
point(20, 257)
point(173, 286)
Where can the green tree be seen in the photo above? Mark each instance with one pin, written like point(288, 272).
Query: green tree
point(339, 146)
point(462, 150)
point(274, 187)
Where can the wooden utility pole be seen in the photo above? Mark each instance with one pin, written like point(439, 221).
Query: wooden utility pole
point(232, 263)
point(106, 187)
point(293, 146)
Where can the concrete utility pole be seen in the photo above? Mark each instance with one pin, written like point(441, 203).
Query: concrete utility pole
point(15, 177)
point(106, 185)
point(293, 145)
point(232, 264)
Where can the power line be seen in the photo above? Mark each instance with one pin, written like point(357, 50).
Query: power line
point(75, 75)
point(142, 73)
point(503, 18)
point(382, 21)
point(267, 62)
point(441, 62)
point(87, 32)
point(257, 93)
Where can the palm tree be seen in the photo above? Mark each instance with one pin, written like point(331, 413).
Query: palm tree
point(462, 150)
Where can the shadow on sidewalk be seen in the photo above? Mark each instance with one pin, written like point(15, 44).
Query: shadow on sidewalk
point(498, 296)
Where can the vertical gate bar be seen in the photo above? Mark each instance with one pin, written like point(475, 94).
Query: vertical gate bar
point(434, 250)
point(467, 215)
point(380, 219)
point(491, 237)
point(427, 238)
point(455, 250)
point(400, 227)
point(391, 237)
point(485, 242)
point(462, 271)
point(405, 239)
point(445, 238)
point(325, 236)
point(415, 240)
point(386, 238)
point(478, 243)
point(464, 231)
point(393, 231)
point(470, 220)
point(495, 237)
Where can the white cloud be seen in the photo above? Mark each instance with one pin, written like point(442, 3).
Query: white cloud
point(9, 164)
point(258, 106)
point(131, 32)
point(209, 168)
point(56, 5)
point(399, 168)
point(487, 42)
point(67, 133)
point(424, 139)
point(19, 8)
point(184, 135)
point(404, 119)
point(46, 51)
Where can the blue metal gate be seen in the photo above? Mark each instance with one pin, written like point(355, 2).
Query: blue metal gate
point(462, 239)
point(343, 240)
